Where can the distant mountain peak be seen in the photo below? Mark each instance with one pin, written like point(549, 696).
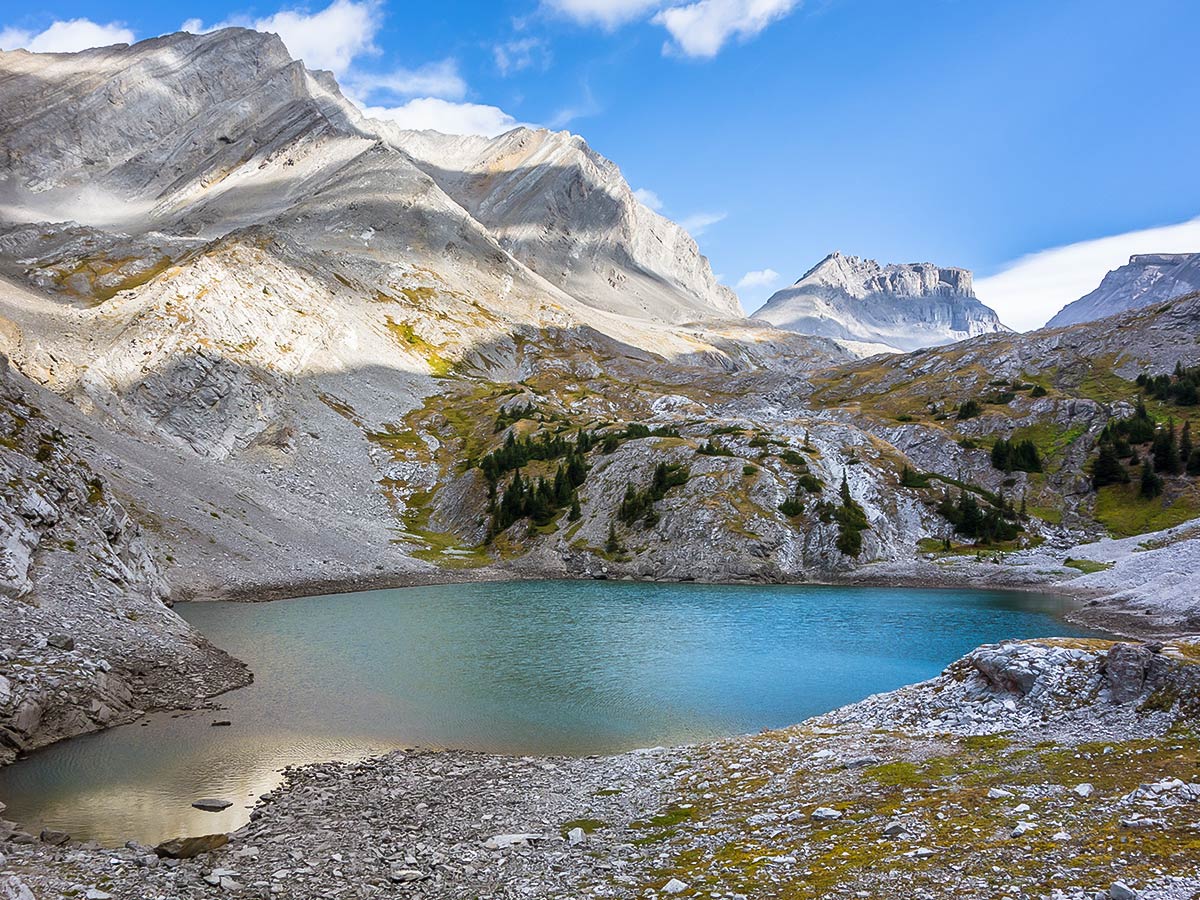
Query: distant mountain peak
point(1147, 278)
point(900, 305)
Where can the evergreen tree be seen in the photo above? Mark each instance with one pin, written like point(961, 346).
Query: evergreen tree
point(612, 545)
point(576, 513)
point(1193, 466)
point(1107, 468)
point(1166, 450)
point(1152, 484)
point(1185, 442)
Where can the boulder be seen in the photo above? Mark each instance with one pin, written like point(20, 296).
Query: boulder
point(1125, 670)
point(61, 641)
point(188, 847)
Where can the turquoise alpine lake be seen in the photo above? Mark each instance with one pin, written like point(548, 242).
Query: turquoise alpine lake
point(550, 667)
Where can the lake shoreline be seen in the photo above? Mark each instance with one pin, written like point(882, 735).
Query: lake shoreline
point(808, 807)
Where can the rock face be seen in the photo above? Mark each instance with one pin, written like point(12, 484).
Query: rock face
point(567, 213)
point(87, 639)
point(1147, 279)
point(903, 307)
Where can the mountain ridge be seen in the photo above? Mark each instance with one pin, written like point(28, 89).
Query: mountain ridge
point(1147, 278)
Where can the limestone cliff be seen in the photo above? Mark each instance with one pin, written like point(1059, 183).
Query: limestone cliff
point(900, 307)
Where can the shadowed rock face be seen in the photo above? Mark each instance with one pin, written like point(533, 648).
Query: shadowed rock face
point(567, 213)
point(902, 307)
point(1148, 278)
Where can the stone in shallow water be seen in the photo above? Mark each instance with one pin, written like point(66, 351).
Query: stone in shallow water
point(211, 804)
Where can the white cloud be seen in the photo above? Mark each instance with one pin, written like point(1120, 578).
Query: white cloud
point(760, 278)
point(329, 39)
point(697, 223)
point(608, 13)
point(440, 79)
point(516, 56)
point(702, 28)
point(649, 199)
point(436, 114)
point(69, 36)
point(341, 35)
point(1028, 292)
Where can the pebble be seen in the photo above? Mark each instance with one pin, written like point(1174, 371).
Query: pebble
point(674, 886)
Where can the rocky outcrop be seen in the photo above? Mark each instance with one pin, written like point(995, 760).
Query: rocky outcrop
point(1147, 279)
point(902, 307)
point(1061, 689)
point(88, 641)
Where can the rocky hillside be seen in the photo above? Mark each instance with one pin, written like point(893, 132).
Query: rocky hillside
point(88, 641)
point(888, 307)
point(1147, 279)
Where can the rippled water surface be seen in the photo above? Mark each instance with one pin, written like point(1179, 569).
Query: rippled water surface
point(530, 667)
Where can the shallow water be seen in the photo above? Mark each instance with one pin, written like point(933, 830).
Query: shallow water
point(519, 667)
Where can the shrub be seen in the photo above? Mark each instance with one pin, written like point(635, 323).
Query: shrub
point(969, 410)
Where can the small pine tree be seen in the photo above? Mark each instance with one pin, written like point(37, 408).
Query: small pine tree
point(576, 513)
point(1152, 484)
point(1107, 468)
point(612, 545)
point(1185, 442)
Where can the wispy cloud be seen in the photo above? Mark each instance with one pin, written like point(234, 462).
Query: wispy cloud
point(606, 13)
point(649, 199)
point(587, 106)
point(697, 223)
point(1029, 291)
point(440, 79)
point(698, 29)
point(757, 279)
point(524, 53)
point(66, 36)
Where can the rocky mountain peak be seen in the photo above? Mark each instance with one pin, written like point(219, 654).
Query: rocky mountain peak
point(893, 306)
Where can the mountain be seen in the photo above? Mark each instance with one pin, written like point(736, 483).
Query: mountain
point(1147, 278)
point(902, 307)
point(567, 213)
point(199, 135)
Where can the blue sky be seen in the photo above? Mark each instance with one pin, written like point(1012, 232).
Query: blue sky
point(963, 132)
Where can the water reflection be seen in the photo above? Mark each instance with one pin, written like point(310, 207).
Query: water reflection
point(547, 667)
